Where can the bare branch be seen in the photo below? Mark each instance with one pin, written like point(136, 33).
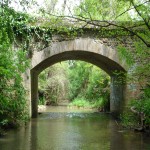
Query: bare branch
point(124, 12)
point(135, 7)
point(105, 24)
point(133, 32)
point(131, 8)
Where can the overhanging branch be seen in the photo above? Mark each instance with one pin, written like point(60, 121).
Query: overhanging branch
point(106, 24)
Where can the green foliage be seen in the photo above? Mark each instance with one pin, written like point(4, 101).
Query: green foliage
point(80, 102)
point(102, 10)
point(88, 82)
point(78, 78)
point(142, 70)
point(138, 61)
point(131, 16)
point(41, 101)
point(124, 54)
point(143, 105)
point(141, 115)
point(80, 82)
point(98, 85)
point(53, 84)
point(129, 120)
point(100, 103)
point(13, 107)
point(139, 73)
point(12, 97)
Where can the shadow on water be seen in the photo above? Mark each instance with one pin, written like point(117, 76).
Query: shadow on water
point(64, 129)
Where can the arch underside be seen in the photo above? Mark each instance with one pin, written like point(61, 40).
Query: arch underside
point(106, 64)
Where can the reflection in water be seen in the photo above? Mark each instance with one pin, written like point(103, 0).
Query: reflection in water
point(70, 130)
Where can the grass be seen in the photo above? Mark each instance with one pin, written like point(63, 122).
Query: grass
point(81, 102)
point(98, 103)
point(41, 101)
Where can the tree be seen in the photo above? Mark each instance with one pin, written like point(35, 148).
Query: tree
point(88, 83)
point(136, 12)
point(13, 105)
point(131, 16)
point(53, 83)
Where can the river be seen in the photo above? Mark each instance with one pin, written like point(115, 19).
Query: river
point(61, 128)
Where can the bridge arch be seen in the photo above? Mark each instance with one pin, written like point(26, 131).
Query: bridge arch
point(85, 49)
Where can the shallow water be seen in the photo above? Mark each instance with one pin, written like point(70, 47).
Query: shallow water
point(70, 129)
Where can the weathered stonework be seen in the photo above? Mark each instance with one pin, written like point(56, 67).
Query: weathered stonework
point(86, 49)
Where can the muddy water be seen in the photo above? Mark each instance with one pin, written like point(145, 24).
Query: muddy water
point(71, 129)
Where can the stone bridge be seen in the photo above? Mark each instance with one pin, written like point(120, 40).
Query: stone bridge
point(81, 48)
